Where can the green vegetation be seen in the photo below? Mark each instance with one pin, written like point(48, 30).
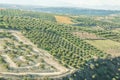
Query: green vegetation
point(22, 13)
point(56, 39)
point(90, 61)
point(108, 34)
point(101, 69)
point(5, 34)
point(94, 21)
point(16, 56)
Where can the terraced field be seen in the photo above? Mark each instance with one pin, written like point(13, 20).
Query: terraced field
point(34, 46)
point(21, 57)
point(106, 45)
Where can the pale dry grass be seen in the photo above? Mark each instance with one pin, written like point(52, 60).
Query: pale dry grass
point(63, 19)
point(108, 46)
point(116, 30)
point(97, 28)
point(2, 8)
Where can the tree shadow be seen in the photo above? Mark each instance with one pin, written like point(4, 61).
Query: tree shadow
point(100, 69)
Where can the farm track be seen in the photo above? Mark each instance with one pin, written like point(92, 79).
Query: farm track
point(49, 59)
point(9, 61)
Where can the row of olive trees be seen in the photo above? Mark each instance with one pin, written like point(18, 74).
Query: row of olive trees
point(22, 13)
point(56, 39)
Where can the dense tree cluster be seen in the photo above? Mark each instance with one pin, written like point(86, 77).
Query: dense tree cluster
point(101, 69)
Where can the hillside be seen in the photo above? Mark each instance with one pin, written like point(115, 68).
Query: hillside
point(35, 45)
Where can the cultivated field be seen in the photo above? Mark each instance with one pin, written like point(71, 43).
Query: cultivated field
point(18, 56)
point(109, 46)
point(63, 19)
point(45, 46)
point(86, 35)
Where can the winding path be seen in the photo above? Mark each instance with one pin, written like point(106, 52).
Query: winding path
point(61, 70)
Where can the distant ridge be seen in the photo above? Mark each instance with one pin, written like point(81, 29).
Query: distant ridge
point(77, 11)
point(62, 10)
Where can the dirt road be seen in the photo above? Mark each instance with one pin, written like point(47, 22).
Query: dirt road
point(61, 70)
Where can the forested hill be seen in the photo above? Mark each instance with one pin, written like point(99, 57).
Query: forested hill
point(62, 10)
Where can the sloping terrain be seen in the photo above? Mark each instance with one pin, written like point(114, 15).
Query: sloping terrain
point(62, 49)
point(29, 62)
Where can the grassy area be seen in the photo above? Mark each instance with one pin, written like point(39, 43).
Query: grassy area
point(63, 19)
point(108, 46)
point(1, 46)
point(116, 30)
